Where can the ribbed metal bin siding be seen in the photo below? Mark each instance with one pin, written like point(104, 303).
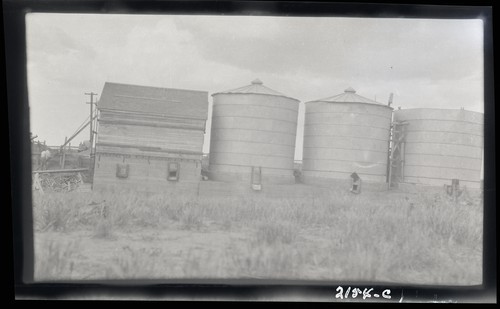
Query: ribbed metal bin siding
point(341, 138)
point(442, 145)
point(253, 130)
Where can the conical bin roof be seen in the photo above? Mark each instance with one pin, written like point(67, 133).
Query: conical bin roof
point(256, 87)
point(349, 96)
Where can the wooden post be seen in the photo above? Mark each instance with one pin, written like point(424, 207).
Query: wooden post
point(403, 151)
point(91, 94)
point(455, 185)
point(39, 152)
point(37, 184)
point(389, 183)
point(64, 154)
point(403, 161)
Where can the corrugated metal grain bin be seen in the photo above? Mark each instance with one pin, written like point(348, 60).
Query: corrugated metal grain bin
point(343, 134)
point(442, 145)
point(253, 129)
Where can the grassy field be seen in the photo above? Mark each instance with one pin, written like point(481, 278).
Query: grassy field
point(385, 236)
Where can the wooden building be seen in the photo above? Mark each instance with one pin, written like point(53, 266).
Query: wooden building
point(149, 139)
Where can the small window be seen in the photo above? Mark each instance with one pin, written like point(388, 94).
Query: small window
point(173, 171)
point(122, 170)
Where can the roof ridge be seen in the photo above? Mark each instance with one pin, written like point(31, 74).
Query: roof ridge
point(152, 87)
point(154, 100)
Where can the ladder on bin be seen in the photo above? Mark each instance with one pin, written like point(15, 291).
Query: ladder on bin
point(397, 153)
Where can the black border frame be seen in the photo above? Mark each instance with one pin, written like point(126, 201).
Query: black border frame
point(18, 193)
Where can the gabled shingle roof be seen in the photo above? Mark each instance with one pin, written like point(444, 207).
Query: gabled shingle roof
point(349, 96)
point(154, 100)
point(256, 87)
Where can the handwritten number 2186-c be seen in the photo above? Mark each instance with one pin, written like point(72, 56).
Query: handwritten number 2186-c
point(355, 292)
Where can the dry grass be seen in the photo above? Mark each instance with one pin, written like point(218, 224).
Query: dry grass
point(103, 229)
point(421, 238)
point(273, 233)
point(56, 261)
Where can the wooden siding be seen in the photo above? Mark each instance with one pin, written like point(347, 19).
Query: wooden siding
point(154, 100)
point(179, 140)
point(149, 175)
point(152, 120)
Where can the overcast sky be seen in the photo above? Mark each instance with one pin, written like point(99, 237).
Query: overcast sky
point(425, 63)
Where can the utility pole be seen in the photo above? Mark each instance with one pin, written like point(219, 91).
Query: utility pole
point(390, 99)
point(91, 94)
